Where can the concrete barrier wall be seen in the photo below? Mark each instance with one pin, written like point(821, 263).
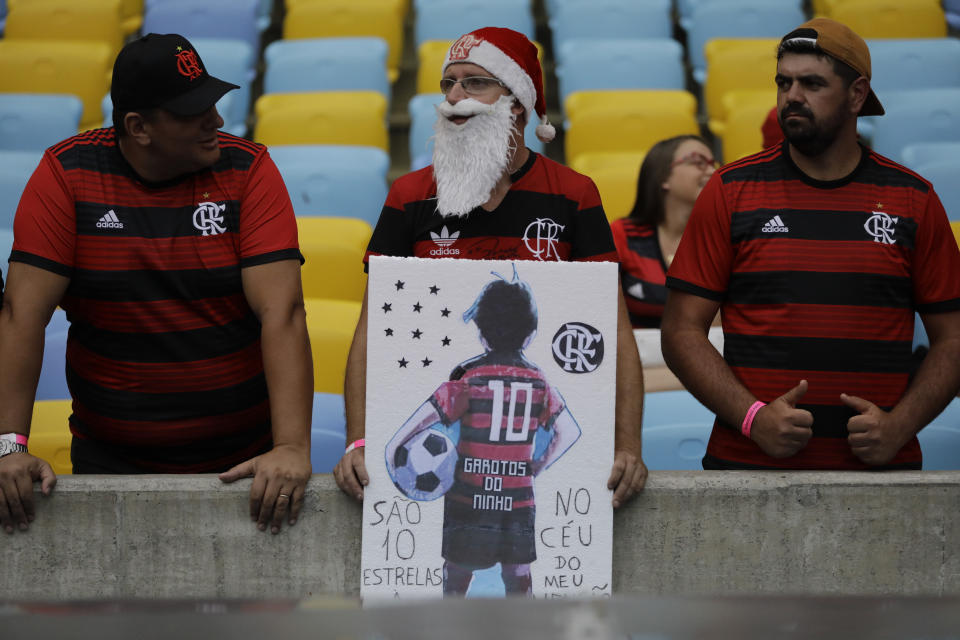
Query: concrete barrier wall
point(688, 533)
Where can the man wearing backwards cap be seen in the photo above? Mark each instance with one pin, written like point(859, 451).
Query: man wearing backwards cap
point(173, 249)
point(499, 200)
point(819, 251)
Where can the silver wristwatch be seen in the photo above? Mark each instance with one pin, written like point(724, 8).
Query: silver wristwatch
point(9, 444)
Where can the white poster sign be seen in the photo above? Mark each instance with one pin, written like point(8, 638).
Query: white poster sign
point(489, 428)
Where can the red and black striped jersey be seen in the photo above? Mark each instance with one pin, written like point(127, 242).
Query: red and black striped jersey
point(163, 354)
point(500, 400)
point(818, 281)
point(550, 213)
point(643, 273)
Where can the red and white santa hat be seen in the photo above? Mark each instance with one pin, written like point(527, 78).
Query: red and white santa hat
point(512, 58)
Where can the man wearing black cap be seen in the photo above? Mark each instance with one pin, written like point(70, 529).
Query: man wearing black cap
point(819, 251)
point(173, 249)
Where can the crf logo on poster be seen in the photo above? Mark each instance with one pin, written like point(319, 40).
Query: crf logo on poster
point(187, 64)
point(460, 49)
point(208, 218)
point(578, 347)
point(540, 238)
point(881, 226)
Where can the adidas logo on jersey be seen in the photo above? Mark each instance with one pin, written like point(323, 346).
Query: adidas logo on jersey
point(443, 240)
point(636, 290)
point(109, 220)
point(775, 225)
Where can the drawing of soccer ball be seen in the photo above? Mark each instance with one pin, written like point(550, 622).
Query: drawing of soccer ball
point(423, 467)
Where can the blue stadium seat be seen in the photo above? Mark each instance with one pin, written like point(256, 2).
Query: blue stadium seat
point(35, 121)
point(945, 176)
point(445, 20)
point(940, 440)
point(326, 64)
point(328, 433)
point(6, 244)
point(16, 167)
point(915, 155)
point(52, 384)
point(610, 19)
point(737, 19)
point(593, 63)
point(423, 115)
point(332, 180)
point(686, 8)
point(223, 19)
point(676, 428)
point(919, 115)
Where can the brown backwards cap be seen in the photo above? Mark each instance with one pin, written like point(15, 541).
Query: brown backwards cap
point(838, 41)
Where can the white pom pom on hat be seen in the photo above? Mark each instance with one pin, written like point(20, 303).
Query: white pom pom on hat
point(512, 58)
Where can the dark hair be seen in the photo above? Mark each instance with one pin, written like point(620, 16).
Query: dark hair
point(648, 207)
point(505, 314)
point(119, 116)
point(847, 73)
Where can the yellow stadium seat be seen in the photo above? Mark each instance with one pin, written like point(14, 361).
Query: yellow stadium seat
point(78, 68)
point(348, 18)
point(955, 225)
point(90, 20)
point(742, 135)
point(430, 57)
point(50, 433)
point(333, 249)
point(734, 65)
point(615, 174)
point(331, 324)
point(324, 117)
point(892, 18)
point(627, 124)
point(660, 99)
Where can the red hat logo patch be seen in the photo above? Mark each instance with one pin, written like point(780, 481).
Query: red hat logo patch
point(187, 64)
point(461, 48)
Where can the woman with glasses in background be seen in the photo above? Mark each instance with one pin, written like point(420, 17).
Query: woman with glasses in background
point(671, 177)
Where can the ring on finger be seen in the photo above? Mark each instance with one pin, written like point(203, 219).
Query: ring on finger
point(284, 495)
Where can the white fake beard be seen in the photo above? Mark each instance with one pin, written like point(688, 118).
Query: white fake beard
point(469, 158)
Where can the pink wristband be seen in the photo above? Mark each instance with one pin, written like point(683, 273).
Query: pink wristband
point(19, 438)
point(355, 444)
point(748, 419)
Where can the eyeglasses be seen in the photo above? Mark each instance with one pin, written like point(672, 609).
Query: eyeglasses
point(697, 159)
point(472, 85)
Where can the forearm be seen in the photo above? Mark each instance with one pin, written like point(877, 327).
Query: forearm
point(355, 380)
point(933, 387)
point(629, 388)
point(705, 374)
point(288, 369)
point(21, 355)
point(566, 432)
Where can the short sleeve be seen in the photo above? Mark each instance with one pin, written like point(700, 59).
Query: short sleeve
point(593, 240)
point(705, 256)
point(268, 228)
point(553, 406)
point(45, 224)
point(936, 286)
point(451, 400)
point(392, 236)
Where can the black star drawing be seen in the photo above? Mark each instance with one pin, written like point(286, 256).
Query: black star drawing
point(434, 289)
point(399, 285)
point(426, 362)
point(417, 307)
point(403, 363)
point(388, 331)
point(416, 334)
point(445, 312)
point(446, 341)
point(387, 307)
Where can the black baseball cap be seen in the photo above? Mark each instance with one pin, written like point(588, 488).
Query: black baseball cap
point(164, 70)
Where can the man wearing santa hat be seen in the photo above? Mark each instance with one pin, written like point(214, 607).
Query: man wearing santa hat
point(487, 196)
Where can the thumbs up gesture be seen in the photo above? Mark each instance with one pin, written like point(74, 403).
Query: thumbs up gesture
point(779, 428)
point(874, 437)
